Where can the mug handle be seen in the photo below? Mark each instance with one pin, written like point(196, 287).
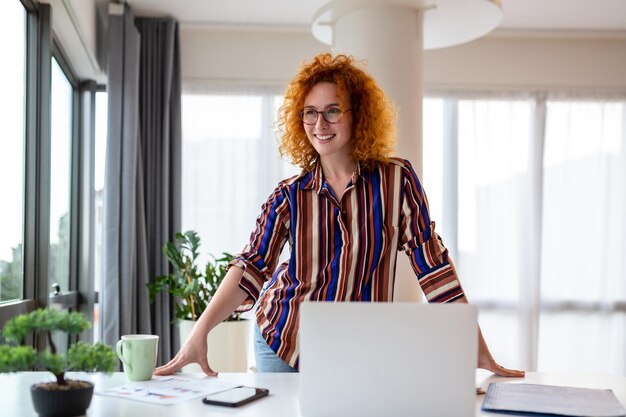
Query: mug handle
point(118, 350)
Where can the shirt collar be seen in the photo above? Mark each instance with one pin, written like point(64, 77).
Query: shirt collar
point(314, 180)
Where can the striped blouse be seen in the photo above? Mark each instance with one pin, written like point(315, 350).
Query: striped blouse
point(340, 250)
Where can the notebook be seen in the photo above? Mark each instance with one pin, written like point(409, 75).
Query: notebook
point(387, 359)
point(541, 400)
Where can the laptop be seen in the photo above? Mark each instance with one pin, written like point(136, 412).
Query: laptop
point(387, 359)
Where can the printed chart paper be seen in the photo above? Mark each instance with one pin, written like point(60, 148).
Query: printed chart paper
point(168, 390)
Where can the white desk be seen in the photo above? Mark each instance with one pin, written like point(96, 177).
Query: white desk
point(283, 400)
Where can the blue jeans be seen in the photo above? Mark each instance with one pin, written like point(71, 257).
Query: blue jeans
point(266, 358)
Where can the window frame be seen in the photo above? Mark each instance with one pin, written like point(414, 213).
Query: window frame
point(36, 164)
point(41, 47)
point(68, 298)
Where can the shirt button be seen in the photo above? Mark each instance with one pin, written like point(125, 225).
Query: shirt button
point(344, 212)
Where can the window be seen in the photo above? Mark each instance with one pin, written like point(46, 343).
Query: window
point(60, 175)
point(230, 165)
point(45, 160)
point(100, 155)
point(490, 148)
point(583, 269)
point(12, 107)
point(535, 223)
point(61, 163)
point(433, 166)
point(493, 146)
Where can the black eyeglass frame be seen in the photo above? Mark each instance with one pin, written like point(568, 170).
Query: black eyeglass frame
point(323, 113)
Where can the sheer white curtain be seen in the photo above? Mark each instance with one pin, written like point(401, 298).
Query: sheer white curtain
point(535, 223)
point(494, 138)
point(230, 163)
point(529, 195)
point(583, 266)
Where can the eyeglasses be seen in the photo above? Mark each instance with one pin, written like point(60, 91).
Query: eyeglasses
point(332, 115)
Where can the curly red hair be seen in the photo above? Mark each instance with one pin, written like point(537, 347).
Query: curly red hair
point(374, 116)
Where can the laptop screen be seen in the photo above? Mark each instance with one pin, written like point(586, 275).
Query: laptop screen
point(376, 359)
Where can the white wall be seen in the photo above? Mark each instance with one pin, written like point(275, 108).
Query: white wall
point(85, 13)
point(529, 62)
point(74, 25)
point(244, 56)
point(508, 61)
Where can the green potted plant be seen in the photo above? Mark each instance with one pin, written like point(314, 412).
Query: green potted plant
point(62, 397)
point(192, 289)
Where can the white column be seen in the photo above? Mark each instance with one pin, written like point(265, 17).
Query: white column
point(389, 38)
point(390, 35)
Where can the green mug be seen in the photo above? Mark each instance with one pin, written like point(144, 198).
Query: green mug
point(138, 353)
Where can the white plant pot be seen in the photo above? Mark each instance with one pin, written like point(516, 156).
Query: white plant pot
point(227, 345)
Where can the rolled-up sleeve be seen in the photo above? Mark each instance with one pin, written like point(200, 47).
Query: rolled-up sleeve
point(259, 257)
point(428, 255)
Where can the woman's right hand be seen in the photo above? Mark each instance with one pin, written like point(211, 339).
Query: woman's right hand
point(194, 350)
point(228, 297)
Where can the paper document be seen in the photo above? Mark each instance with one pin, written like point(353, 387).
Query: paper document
point(553, 400)
point(168, 390)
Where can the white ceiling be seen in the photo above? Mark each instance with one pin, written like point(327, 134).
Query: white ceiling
point(549, 15)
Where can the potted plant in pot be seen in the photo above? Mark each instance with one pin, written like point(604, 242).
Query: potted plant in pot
point(62, 397)
point(192, 289)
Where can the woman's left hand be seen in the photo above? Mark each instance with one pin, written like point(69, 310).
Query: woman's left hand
point(493, 366)
point(486, 360)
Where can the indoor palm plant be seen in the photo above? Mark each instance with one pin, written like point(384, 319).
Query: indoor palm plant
point(62, 397)
point(192, 289)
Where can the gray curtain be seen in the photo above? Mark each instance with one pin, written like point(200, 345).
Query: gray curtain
point(141, 193)
point(160, 125)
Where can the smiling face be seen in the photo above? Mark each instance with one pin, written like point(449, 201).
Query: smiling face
point(330, 140)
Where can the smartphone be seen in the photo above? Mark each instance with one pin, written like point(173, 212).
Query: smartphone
point(235, 397)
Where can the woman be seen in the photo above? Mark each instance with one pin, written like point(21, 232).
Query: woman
point(345, 217)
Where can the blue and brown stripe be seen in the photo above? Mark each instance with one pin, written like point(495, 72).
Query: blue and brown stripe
point(340, 250)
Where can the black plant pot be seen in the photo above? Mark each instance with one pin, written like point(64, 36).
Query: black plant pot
point(61, 403)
